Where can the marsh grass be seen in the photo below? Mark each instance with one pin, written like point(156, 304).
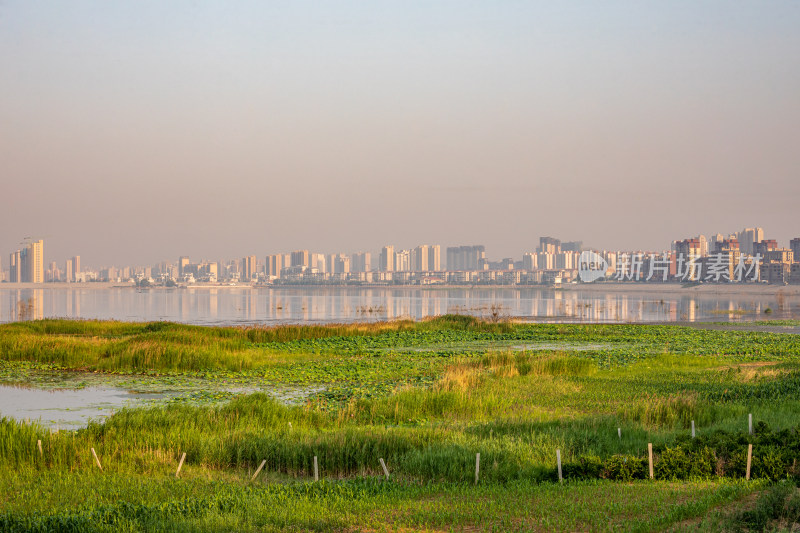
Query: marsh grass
point(425, 412)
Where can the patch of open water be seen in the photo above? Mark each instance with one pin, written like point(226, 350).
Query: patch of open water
point(75, 399)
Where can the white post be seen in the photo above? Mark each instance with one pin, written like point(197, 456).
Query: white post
point(749, 459)
point(692, 428)
point(558, 461)
point(316, 469)
point(97, 460)
point(477, 466)
point(258, 469)
point(385, 470)
point(180, 464)
point(619, 432)
point(750, 423)
point(650, 457)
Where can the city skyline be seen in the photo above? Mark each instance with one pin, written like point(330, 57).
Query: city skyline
point(552, 261)
point(135, 127)
point(375, 252)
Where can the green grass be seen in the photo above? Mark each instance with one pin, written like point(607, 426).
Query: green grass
point(91, 502)
point(425, 397)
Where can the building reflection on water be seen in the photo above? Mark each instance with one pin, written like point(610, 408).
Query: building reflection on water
point(231, 305)
point(25, 304)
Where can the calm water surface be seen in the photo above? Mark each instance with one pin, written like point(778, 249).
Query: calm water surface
point(245, 305)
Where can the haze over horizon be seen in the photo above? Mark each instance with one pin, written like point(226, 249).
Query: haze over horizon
point(135, 132)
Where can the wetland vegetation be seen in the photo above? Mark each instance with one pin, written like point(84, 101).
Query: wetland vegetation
point(426, 397)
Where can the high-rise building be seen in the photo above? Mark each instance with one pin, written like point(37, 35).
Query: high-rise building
point(53, 274)
point(69, 276)
point(689, 249)
point(341, 264)
point(361, 262)
point(274, 265)
point(318, 261)
point(712, 245)
point(728, 252)
point(387, 259)
point(435, 258)
point(530, 261)
point(76, 267)
point(301, 258)
point(549, 245)
point(419, 258)
point(335, 261)
point(32, 262)
point(249, 268)
point(183, 262)
point(15, 267)
point(461, 258)
point(764, 246)
point(727, 245)
point(794, 246)
point(703, 245)
point(402, 261)
point(747, 239)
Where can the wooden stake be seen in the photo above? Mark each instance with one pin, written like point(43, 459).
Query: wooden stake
point(650, 457)
point(692, 428)
point(558, 462)
point(39, 444)
point(749, 460)
point(180, 464)
point(316, 469)
point(97, 460)
point(477, 466)
point(750, 423)
point(385, 470)
point(258, 469)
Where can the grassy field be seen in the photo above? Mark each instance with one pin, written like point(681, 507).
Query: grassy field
point(425, 397)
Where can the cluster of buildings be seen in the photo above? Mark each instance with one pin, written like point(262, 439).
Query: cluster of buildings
point(26, 265)
point(746, 251)
point(745, 256)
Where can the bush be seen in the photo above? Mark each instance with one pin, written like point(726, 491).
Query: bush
point(673, 464)
point(587, 467)
point(703, 463)
point(624, 468)
point(769, 465)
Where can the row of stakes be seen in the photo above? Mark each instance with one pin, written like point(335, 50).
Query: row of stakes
point(477, 459)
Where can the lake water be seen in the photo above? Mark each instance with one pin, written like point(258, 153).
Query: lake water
point(246, 305)
point(66, 408)
point(69, 400)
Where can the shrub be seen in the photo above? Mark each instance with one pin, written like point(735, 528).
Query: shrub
point(702, 463)
point(673, 464)
point(769, 465)
point(624, 468)
point(587, 467)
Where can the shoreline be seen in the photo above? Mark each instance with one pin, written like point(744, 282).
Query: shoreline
point(744, 289)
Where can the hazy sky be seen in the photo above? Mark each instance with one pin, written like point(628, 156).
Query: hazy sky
point(136, 131)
